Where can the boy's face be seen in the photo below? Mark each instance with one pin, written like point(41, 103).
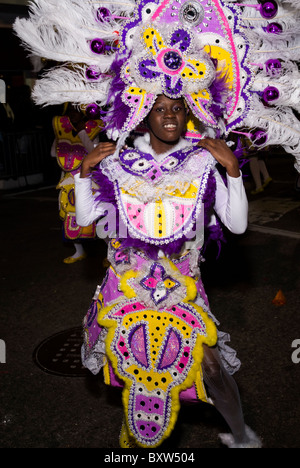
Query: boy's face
point(166, 122)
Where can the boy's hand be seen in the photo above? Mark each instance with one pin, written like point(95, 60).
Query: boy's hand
point(91, 160)
point(223, 154)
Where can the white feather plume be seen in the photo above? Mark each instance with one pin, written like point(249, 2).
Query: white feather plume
point(264, 48)
point(280, 123)
point(288, 18)
point(62, 31)
point(65, 85)
point(294, 3)
point(288, 86)
point(285, 3)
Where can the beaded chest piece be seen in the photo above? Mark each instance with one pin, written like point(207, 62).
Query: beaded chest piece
point(175, 203)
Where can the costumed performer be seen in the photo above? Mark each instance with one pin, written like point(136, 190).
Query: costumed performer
point(152, 301)
point(234, 64)
point(76, 134)
point(257, 164)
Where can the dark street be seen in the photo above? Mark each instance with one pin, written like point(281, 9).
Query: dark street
point(49, 401)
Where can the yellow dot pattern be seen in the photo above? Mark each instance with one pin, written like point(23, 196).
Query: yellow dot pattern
point(192, 65)
point(157, 326)
point(159, 220)
point(150, 35)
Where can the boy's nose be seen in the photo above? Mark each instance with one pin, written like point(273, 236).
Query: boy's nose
point(169, 113)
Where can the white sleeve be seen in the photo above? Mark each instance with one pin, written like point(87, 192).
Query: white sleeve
point(87, 209)
point(53, 149)
point(231, 204)
point(86, 141)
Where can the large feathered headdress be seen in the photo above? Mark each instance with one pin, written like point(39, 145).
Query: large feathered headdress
point(235, 64)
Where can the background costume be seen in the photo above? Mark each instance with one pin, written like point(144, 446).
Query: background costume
point(150, 317)
point(257, 165)
point(70, 146)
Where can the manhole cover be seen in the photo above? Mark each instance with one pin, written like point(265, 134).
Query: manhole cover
point(61, 354)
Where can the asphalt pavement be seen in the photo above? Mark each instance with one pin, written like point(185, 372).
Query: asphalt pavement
point(49, 401)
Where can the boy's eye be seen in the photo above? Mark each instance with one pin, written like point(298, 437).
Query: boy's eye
point(178, 107)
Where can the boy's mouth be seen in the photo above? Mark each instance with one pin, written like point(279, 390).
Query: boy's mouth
point(170, 126)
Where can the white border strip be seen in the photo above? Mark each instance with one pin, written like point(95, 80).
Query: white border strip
point(273, 231)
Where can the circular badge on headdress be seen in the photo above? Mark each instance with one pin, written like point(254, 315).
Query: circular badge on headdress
point(191, 13)
point(172, 60)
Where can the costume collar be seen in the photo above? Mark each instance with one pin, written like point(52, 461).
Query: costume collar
point(142, 143)
point(142, 161)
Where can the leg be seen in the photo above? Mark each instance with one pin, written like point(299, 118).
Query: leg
point(223, 391)
point(78, 255)
point(255, 172)
point(79, 250)
point(265, 173)
point(263, 169)
point(297, 183)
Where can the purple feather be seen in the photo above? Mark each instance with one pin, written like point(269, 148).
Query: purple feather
point(106, 191)
point(118, 112)
point(219, 93)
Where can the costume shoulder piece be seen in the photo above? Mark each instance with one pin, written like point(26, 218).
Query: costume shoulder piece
point(70, 150)
point(233, 62)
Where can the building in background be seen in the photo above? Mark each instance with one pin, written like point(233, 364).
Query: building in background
point(26, 133)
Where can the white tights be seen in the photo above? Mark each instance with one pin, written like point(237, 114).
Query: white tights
point(258, 167)
point(224, 393)
point(79, 250)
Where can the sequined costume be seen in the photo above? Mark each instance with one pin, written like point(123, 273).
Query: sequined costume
point(69, 148)
point(235, 67)
point(150, 316)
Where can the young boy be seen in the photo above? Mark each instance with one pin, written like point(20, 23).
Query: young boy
point(162, 176)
